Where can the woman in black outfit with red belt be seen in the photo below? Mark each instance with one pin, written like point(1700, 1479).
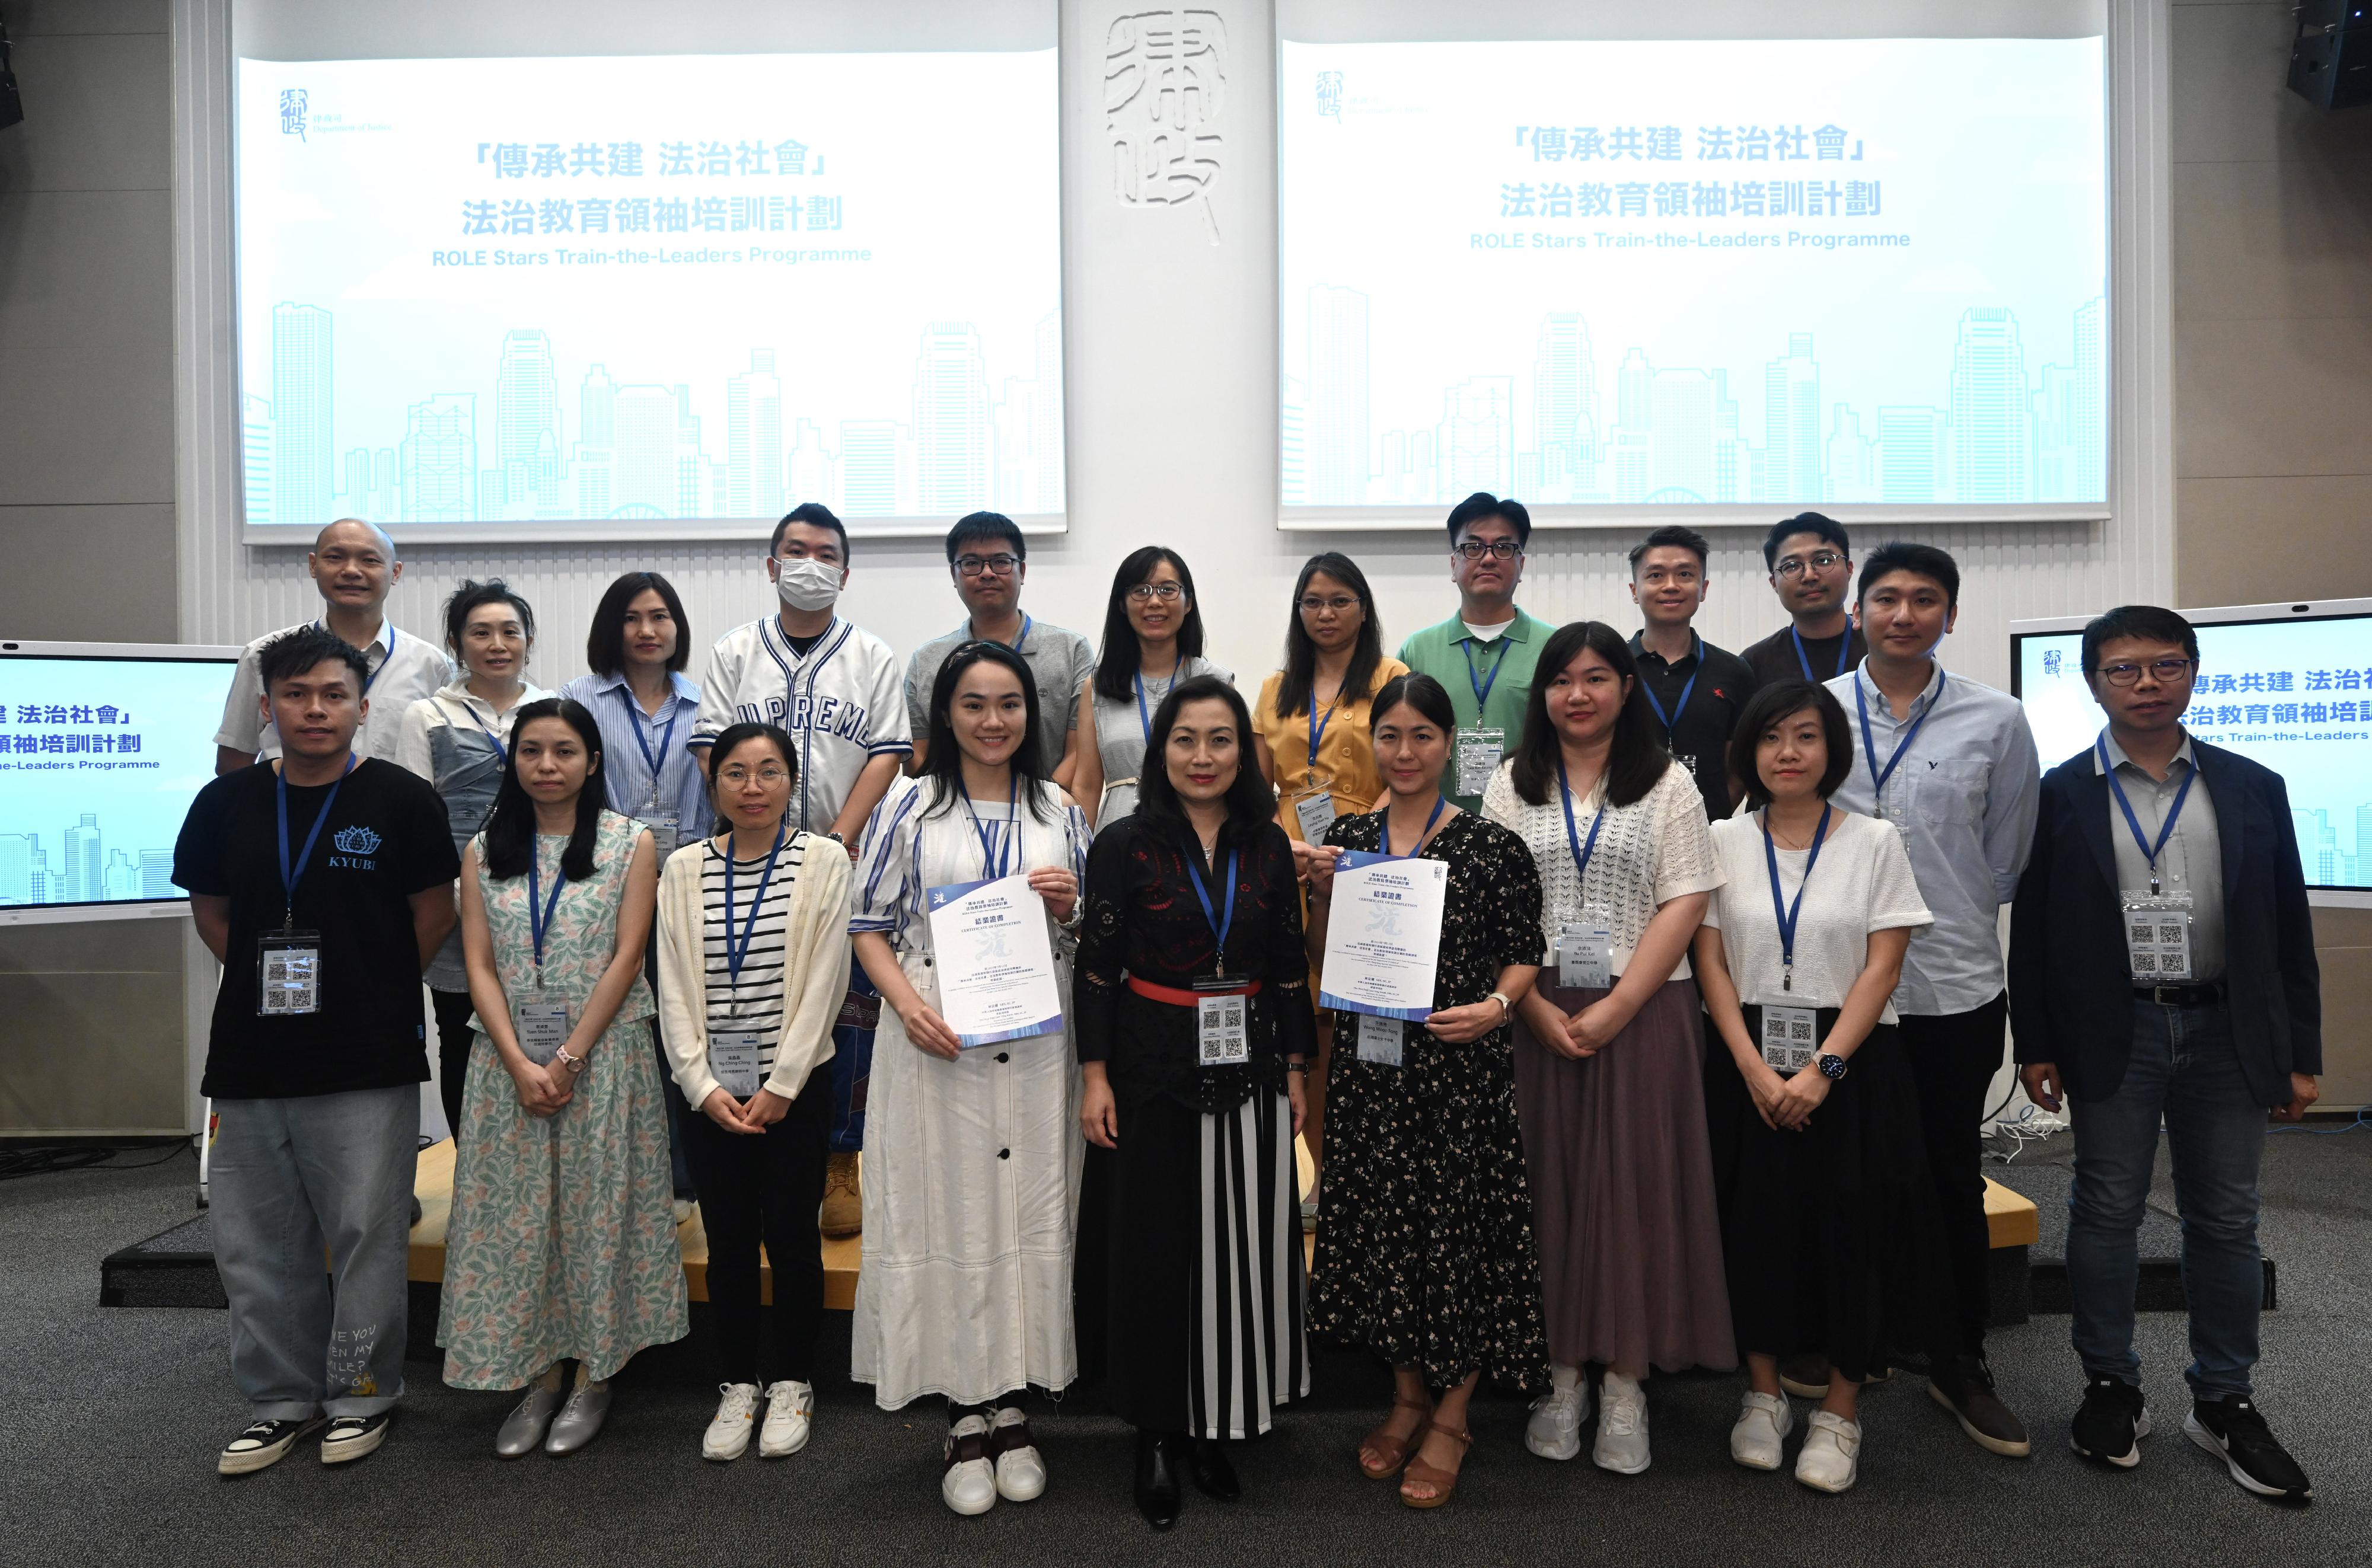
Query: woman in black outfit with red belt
point(1193, 1018)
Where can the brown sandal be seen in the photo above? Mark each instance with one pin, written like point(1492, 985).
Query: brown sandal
point(1395, 1450)
point(1444, 1482)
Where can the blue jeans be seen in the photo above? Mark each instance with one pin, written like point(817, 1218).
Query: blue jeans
point(852, 1066)
point(2184, 1069)
point(289, 1179)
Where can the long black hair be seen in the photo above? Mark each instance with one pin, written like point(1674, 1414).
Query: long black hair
point(510, 827)
point(1638, 759)
point(944, 762)
point(1250, 802)
point(739, 735)
point(1116, 665)
point(1293, 694)
point(605, 644)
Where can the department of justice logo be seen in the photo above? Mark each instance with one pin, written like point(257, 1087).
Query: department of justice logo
point(357, 840)
point(293, 104)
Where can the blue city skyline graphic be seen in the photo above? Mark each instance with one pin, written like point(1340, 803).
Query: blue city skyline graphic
point(83, 868)
point(1994, 430)
point(519, 446)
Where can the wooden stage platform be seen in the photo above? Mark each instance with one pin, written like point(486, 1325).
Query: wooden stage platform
point(2009, 1217)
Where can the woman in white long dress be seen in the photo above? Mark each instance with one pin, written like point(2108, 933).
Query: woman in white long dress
point(971, 1155)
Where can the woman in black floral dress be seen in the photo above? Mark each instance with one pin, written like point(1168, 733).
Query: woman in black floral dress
point(1424, 1237)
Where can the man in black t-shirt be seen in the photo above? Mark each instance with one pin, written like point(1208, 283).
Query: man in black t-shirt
point(323, 882)
point(1810, 562)
point(1695, 689)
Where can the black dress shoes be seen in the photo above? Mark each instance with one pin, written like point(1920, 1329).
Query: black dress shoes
point(1156, 1477)
point(1207, 1461)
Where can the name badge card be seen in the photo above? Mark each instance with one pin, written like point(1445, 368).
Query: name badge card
point(1222, 1035)
point(733, 1060)
point(1790, 1036)
point(995, 961)
point(1383, 940)
point(1316, 813)
point(543, 1030)
point(665, 829)
point(2157, 936)
point(288, 974)
point(1478, 752)
point(1586, 950)
point(1380, 1039)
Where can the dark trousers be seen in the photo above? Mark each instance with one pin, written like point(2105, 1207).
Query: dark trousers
point(454, 1036)
point(1953, 1059)
point(765, 1187)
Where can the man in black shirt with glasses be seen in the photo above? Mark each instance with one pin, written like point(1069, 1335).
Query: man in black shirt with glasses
point(1810, 562)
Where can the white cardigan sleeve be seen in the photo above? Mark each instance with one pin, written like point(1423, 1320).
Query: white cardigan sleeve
point(815, 966)
point(683, 974)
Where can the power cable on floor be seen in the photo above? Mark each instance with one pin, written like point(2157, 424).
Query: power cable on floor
point(54, 1159)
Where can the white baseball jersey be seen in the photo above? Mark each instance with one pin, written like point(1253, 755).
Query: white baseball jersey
point(843, 704)
point(404, 669)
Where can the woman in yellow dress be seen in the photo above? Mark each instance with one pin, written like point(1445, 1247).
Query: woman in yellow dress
point(1311, 733)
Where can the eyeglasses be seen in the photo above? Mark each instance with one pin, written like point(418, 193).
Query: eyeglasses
point(1341, 604)
point(1818, 561)
point(1145, 593)
point(737, 777)
point(2164, 671)
point(977, 565)
point(1497, 549)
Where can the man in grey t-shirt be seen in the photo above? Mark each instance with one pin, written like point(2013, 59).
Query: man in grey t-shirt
point(989, 561)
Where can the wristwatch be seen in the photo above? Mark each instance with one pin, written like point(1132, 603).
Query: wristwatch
point(1506, 1008)
point(1832, 1066)
point(575, 1064)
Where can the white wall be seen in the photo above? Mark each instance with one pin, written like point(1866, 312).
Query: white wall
point(1170, 348)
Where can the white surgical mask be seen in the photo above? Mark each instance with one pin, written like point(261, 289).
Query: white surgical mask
point(807, 584)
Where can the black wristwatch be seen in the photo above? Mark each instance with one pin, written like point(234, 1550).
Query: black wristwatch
point(1832, 1066)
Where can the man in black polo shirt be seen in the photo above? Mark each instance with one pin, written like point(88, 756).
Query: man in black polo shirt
point(1695, 689)
point(1810, 562)
point(322, 882)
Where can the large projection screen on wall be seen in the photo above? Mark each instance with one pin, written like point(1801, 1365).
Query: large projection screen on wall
point(608, 271)
point(1560, 253)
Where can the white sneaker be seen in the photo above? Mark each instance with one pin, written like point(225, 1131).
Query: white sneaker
point(1763, 1422)
point(727, 1437)
point(682, 1210)
point(790, 1415)
point(970, 1484)
point(1622, 1427)
point(1830, 1449)
point(1554, 1431)
point(1020, 1468)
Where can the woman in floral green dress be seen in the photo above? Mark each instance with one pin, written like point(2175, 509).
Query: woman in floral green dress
point(562, 1245)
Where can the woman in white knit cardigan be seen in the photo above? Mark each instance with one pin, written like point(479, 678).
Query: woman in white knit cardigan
point(753, 962)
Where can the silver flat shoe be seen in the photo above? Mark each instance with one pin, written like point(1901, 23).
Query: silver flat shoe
point(579, 1421)
point(522, 1431)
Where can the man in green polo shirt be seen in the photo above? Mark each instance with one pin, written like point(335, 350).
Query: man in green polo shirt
point(1484, 654)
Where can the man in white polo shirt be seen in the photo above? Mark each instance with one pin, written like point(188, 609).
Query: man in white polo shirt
point(353, 563)
point(836, 688)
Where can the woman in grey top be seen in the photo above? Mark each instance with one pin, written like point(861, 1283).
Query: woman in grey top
point(1152, 639)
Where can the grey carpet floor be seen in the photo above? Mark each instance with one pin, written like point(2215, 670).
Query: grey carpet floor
point(112, 1418)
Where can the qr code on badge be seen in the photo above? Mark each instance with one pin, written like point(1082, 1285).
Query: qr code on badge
point(2170, 934)
point(1798, 1029)
point(1234, 1015)
point(2145, 963)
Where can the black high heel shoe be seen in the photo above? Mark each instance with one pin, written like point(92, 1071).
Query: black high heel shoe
point(1156, 1478)
point(1214, 1477)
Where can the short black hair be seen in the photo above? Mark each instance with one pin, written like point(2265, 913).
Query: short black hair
point(2147, 621)
point(1482, 505)
point(1828, 529)
point(1251, 805)
point(981, 527)
point(473, 594)
point(1674, 535)
point(816, 514)
point(1900, 555)
point(295, 653)
point(605, 644)
point(736, 737)
point(1770, 706)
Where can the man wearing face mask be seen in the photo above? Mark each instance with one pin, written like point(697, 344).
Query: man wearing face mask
point(836, 688)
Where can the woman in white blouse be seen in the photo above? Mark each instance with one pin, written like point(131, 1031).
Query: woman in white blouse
point(971, 1150)
point(1609, 1084)
point(1798, 958)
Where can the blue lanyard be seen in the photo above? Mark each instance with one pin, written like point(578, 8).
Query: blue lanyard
point(1318, 726)
point(1219, 924)
point(1581, 851)
point(1844, 650)
point(1439, 802)
point(501, 756)
point(1788, 913)
point(539, 917)
point(372, 675)
point(1482, 687)
point(992, 865)
point(1870, 748)
point(1020, 639)
point(1144, 719)
point(736, 957)
point(1696, 648)
point(290, 872)
point(2166, 830)
point(666, 737)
